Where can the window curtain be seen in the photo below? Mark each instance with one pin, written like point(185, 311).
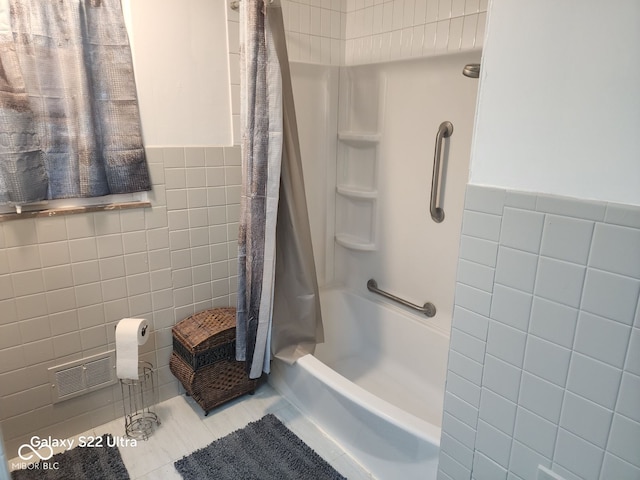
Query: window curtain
point(278, 309)
point(69, 118)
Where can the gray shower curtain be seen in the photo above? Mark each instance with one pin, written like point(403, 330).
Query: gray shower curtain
point(69, 119)
point(278, 305)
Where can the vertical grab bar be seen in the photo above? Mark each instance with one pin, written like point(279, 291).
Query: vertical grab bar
point(445, 130)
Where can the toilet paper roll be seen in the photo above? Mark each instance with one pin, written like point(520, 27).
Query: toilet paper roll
point(130, 334)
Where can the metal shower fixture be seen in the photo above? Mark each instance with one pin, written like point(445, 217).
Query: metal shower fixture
point(471, 70)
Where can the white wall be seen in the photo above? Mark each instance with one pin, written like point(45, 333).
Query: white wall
point(559, 104)
point(182, 72)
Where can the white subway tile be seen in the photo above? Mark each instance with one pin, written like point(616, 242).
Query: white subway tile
point(455, 34)
point(452, 468)
point(444, 9)
point(615, 249)
point(429, 42)
point(610, 295)
point(335, 25)
point(478, 224)
point(418, 41)
point(516, 269)
point(457, 8)
point(460, 409)
point(442, 36)
point(483, 199)
point(480, 32)
point(420, 13)
point(567, 238)
point(407, 41)
point(547, 360)
point(501, 378)
point(475, 275)
point(524, 461)
point(471, 7)
point(387, 17)
point(305, 19)
point(325, 23)
point(396, 44)
point(560, 281)
point(535, 432)
point(633, 352)
point(465, 367)
point(541, 397)
point(521, 229)
point(586, 419)
point(493, 443)
point(594, 380)
point(398, 14)
point(486, 469)
point(325, 50)
point(408, 13)
point(470, 322)
point(467, 345)
point(432, 11)
point(456, 450)
point(506, 343)
point(624, 215)
point(463, 389)
point(614, 467)
point(553, 321)
point(511, 307)
point(578, 456)
point(579, 208)
point(478, 250)
point(459, 430)
point(497, 411)
point(624, 439)
point(602, 339)
point(469, 28)
point(473, 299)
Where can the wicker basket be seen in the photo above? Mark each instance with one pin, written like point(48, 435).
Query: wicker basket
point(206, 337)
point(203, 358)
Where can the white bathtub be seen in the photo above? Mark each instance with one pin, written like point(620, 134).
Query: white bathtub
point(375, 386)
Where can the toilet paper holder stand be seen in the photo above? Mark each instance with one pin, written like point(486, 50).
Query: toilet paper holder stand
point(139, 398)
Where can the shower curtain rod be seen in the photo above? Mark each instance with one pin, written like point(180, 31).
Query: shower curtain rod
point(235, 4)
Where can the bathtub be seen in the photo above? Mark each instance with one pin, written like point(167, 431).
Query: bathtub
point(376, 385)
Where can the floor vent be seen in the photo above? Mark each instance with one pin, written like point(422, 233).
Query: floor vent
point(82, 376)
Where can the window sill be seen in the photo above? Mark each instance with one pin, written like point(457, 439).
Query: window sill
point(54, 212)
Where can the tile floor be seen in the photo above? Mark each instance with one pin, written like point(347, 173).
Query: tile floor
point(185, 429)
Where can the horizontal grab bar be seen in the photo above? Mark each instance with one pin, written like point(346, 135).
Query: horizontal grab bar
point(429, 309)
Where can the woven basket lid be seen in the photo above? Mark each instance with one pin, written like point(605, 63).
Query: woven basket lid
point(201, 327)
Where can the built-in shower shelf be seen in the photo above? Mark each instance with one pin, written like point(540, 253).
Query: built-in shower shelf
point(362, 138)
point(352, 192)
point(354, 244)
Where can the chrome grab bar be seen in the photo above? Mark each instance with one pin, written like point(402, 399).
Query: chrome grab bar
point(445, 130)
point(429, 309)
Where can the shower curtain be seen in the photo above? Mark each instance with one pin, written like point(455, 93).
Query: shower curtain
point(69, 120)
point(278, 307)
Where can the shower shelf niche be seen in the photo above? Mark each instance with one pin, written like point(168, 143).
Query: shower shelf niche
point(356, 190)
point(359, 136)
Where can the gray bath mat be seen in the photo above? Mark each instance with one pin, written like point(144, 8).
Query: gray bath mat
point(263, 450)
point(80, 463)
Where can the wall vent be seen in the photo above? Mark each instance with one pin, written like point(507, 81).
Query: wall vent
point(82, 376)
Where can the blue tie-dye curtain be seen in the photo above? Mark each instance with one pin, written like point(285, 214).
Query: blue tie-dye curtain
point(69, 118)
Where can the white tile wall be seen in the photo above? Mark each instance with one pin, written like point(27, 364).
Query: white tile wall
point(553, 370)
point(67, 281)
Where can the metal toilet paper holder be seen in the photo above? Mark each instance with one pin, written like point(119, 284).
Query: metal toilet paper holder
point(139, 398)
